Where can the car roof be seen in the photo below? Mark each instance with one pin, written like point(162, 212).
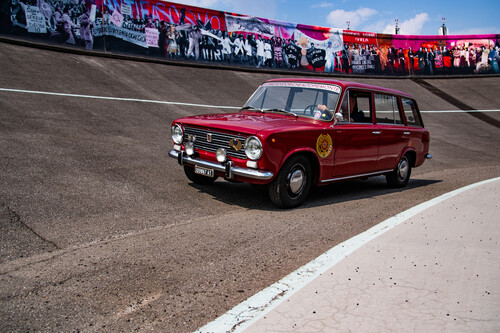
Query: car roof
point(344, 85)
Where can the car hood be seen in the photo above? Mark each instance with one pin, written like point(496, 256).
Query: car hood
point(251, 122)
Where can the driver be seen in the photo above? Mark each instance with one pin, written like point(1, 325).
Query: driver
point(324, 114)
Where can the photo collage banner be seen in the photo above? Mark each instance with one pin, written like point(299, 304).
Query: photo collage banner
point(184, 33)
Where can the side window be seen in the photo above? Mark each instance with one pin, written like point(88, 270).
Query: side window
point(387, 110)
point(411, 112)
point(360, 107)
point(356, 107)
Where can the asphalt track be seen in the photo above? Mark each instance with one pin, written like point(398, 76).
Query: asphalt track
point(101, 231)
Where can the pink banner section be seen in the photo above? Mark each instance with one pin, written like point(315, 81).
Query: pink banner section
point(180, 32)
point(169, 12)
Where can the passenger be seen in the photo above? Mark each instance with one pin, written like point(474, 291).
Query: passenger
point(357, 116)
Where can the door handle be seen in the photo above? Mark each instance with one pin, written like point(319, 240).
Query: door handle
point(376, 132)
point(406, 133)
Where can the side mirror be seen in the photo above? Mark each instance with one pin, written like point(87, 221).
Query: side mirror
point(339, 117)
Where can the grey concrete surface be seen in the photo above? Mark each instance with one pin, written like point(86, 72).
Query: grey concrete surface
point(438, 271)
point(101, 230)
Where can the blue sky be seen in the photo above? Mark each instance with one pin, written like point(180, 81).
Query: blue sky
point(420, 17)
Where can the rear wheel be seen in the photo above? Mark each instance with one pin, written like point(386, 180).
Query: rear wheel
point(198, 179)
point(401, 175)
point(292, 184)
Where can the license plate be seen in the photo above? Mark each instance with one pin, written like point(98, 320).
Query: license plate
point(203, 171)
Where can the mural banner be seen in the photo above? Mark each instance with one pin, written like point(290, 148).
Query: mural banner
point(35, 21)
point(178, 32)
point(249, 25)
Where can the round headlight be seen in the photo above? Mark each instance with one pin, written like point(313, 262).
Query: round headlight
point(189, 146)
point(177, 134)
point(220, 154)
point(253, 148)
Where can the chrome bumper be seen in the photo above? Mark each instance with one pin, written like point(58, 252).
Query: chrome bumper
point(227, 168)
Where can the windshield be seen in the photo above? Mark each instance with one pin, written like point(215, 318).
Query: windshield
point(312, 100)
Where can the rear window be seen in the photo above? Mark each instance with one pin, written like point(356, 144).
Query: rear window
point(411, 112)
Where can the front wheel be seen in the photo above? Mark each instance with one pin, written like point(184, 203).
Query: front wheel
point(401, 175)
point(196, 178)
point(292, 184)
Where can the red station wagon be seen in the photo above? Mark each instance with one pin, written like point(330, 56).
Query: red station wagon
point(293, 133)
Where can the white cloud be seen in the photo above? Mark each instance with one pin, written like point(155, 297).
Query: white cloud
point(474, 31)
point(261, 8)
point(411, 26)
point(375, 26)
point(322, 5)
point(339, 17)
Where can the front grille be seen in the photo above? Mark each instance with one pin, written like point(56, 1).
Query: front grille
point(218, 140)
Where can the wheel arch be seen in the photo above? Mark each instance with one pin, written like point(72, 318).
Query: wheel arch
point(412, 156)
point(311, 156)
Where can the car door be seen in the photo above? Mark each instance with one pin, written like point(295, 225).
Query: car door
point(356, 146)
point(418, 135)
point(394, 135)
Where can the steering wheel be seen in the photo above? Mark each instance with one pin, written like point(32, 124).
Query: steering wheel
point(312, 107)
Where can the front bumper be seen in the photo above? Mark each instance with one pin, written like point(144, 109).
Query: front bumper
point(228, 168)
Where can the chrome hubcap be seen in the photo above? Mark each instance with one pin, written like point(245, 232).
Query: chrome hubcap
point(296, 181)
point(403, 169)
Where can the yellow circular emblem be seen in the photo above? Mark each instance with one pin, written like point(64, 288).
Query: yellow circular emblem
point(324, 145)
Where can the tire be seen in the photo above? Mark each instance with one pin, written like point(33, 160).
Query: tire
point(401, 175)
point(292, 184)
point(198, 179)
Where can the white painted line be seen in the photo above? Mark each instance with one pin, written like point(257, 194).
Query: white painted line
point(243, 315)
point(118, 99)
point(459, 111)
point(183, 104)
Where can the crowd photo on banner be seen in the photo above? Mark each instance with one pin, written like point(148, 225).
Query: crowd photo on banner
point(184, 33)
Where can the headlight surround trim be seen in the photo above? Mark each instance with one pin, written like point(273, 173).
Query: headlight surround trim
point(253, 148)
point(177, 134)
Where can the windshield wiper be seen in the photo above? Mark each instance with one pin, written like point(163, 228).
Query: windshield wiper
point(281, 110)
point(252, 108)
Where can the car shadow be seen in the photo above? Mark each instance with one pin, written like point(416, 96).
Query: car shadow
point(256, 197)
